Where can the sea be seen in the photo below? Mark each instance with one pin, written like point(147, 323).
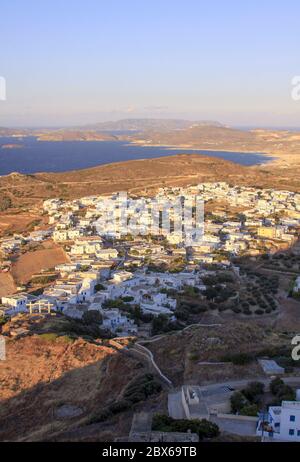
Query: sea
point(28, 155)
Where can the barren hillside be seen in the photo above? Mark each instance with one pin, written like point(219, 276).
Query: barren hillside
point(188, 356)
point(141, 176)
point(50, 386)
point(7, 284)
point(33, 262)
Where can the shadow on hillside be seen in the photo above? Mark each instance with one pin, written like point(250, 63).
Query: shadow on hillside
point(75, 399)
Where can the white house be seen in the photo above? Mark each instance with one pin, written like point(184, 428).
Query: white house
point(107, 254)
point(156, 309)
point(16, 302)
point(67, 267)
point(297, 285)
point(52, 205)
point(115, 321)
point(86, 290)
point(175, 238)
point(60, 235)
point(121, 276)
point(282, 422)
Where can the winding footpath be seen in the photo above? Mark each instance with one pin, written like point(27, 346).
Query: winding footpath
point(149, 355)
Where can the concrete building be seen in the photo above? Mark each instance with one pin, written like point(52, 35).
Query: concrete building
point(270, 367)
point(297, 285)
point(193, 405)
point(16, 302)
point(282, 422)
point(141, 431)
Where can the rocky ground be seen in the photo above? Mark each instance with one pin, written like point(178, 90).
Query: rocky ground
point(58, 386)
point(44, 379)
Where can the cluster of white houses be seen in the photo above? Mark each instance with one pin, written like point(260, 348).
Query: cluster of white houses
point(100, 255)
point(13, 244)
point(268, 220)
point(86, 285)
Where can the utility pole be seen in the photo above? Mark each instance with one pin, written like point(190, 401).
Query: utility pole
point(263, 427)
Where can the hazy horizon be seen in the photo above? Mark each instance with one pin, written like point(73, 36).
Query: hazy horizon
point(95, 122)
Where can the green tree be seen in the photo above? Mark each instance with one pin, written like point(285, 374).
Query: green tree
point(92, 317)
point(286, 393)
point(254, 391)
point(3, 320)
point(160, 324)
point(275, 385)
point(250, 410)
point(237, 402)
point(203, 428)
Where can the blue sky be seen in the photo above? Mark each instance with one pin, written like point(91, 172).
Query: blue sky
point(72, 62)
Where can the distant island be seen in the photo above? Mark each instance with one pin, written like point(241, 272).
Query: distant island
point(284, 145)
point(12, 146)
point(75, 135)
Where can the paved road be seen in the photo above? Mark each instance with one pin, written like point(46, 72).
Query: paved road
point(218, 393)
point(238, 427)
point(241, 383)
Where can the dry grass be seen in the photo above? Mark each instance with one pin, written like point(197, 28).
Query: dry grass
point(14, 221)
point(7, 284)
point(141, 177)
point(40, 375)
point(31, 263)
point(178, 355)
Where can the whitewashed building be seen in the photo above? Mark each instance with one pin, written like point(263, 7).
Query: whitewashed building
point(16, 302)
point(282, 422)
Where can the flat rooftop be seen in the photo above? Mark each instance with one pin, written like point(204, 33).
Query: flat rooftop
point(270, 366)
point(290, 404)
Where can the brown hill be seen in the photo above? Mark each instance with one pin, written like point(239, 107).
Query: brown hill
point(52, 385)
point(188, 356)
point(32, 262)
point(212, 137)
point(140, 176)
point(7, 284)
point(58, 389)
point(205, 137)
point(75, 135)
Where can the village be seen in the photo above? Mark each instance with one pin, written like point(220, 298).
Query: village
point(134, 272)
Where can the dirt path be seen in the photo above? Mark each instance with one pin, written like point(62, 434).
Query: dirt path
point(149, 355)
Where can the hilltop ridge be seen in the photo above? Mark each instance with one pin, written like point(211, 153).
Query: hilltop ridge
point(142, 176)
